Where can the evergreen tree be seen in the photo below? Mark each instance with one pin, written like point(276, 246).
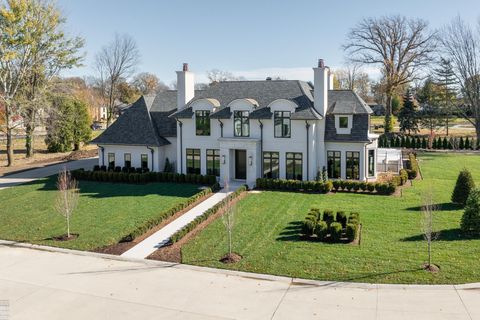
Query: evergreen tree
point(398, 143)
point(439, 143)
point(461, 144)
point(431, 115)
point(408, 117)
point(424, 143)
point(445, 78)
point(470, 222)
point(434, 143)
point(463, 187)
point(445, 143)
point(467, 144)
point(418, 145)
point(402, 142)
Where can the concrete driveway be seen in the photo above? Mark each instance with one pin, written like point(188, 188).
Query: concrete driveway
point(30, 175)
point(54, 285)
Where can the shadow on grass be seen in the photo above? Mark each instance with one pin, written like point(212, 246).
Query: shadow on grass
point(97, 190)
point(292, 232)
point(377, 275)
point(445, 235)
point(447, 206)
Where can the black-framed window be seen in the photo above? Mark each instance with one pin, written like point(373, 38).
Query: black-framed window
point(353, 165)
point(294, 165)
point(334, 164)
point(271, 165)
point(202, 123)
point(127, 159)
point(213, 162)
point(144, 160)
point(193, 161)
point(241, 124)
point(282, 123)
point(111, 160)
point(343, 122)
point(371, 163)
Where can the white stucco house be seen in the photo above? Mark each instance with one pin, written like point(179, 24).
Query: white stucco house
point(243, 130)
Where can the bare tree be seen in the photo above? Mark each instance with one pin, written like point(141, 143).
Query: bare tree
point(428, 227)
point(115, 61)
point(228, 219)
point(67, 196)
point(399, 45)
point(216, 75)
point(460, 43)
point(351, 77)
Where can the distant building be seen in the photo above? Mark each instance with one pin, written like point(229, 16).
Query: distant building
point(378, 109)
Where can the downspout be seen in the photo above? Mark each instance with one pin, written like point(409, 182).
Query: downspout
point(365, 157)
point(221, 128)
point(261, 147)
point(103, 154)
point(180, 123)
point(152, 151)
point(307, 126)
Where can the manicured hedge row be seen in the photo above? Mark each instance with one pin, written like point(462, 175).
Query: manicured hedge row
point(120, 169)
point(438, 143)
point(193, 224)
point(142, 178)
point(294, 185)
point(152, 222)
point(325, 187)
point(331, 227)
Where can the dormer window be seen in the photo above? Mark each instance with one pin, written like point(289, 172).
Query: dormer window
point(282, 124)
point(343, 122)
point(241, 124)
point(202, 122)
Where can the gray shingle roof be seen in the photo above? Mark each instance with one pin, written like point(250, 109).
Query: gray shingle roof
point(346, 102)
point(136, 127)
point(359, 132)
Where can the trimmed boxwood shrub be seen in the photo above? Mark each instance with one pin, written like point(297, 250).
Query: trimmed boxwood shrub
point(342, 218)
point(328, 216)
point(335, 231)
point(351, 231)
point(463, 187)
point(321, 230)
point(177, 236)
point(142, 177)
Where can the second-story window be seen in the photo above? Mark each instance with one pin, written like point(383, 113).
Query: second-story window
point(241, 124)
point(202, 122)
point(282, 124)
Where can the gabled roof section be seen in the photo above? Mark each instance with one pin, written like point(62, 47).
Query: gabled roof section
point(134, 127)
point(346, 102)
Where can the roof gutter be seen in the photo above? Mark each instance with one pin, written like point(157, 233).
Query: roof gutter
point(221, 127)
point(152, 151)
point(180, 124)
point(261, 147)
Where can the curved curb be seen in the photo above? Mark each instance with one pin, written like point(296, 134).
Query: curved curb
point(258, 276)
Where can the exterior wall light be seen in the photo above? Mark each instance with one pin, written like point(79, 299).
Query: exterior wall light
point(250, 160)
point(223, 159)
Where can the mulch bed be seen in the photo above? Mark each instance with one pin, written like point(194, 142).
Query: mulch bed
point(173, 252)
point(231, 258)
point(121, 247)
point(433, 268)
point(64, 237)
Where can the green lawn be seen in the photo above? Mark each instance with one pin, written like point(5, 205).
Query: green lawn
point(105, 212)
point(392, 248)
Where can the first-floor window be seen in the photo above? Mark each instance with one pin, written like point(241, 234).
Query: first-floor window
point(144, 160)
point(213, 162)
point(371, 163)
point(111, 160)
point(353, 165)
point(193, 161)
point(127, 158)
point(334, 164)
point(271, 165)
point(294, 166)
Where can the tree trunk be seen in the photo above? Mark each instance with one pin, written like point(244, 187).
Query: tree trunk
point(429, 252)
point(10, 158)
point(447, 125)
point(477, 130)
point(388, 114)
point(29, 129)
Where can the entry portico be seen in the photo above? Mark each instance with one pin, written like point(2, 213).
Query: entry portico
point(239, 159)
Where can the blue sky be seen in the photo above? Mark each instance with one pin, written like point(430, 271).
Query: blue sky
point(250, 38)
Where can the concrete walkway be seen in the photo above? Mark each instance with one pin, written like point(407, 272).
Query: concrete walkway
point(34, 174)
point(162, 236)
point(53, 285)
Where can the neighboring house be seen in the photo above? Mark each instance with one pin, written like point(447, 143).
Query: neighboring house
point(242, 130)
point(378, 109)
